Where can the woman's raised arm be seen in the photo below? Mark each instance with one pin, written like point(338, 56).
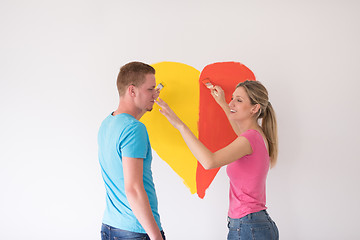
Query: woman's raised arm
point(235, 150)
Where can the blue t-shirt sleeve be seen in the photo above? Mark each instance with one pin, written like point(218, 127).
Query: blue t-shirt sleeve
point(133, 142)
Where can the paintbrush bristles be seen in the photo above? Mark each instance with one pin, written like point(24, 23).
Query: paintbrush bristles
point(160, 86)
point(207, 83)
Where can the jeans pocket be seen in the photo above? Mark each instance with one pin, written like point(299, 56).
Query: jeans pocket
point(104, 236)
point(262, 233)
point(276, 230)
point(234, 234)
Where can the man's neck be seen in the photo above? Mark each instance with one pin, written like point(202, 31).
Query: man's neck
point(123, 108)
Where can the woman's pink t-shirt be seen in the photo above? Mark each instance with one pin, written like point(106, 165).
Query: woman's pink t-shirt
point(248, 178)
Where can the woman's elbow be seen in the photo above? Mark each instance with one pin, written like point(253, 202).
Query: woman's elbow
point(208, 161)
point(208, 166)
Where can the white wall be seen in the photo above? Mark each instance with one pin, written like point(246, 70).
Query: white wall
point(59, 61)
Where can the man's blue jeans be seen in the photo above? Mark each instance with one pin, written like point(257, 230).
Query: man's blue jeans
point(111, 233)
point(255, 226)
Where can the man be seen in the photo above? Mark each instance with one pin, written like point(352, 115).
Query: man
point(125, 159)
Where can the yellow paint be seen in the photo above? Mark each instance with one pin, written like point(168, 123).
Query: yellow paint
point(181, 92)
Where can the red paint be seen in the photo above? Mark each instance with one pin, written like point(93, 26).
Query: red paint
point(215, 131)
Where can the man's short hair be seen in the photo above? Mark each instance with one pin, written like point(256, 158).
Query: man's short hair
point(132, 73)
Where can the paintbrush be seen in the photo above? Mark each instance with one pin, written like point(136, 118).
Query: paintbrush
point(209, 85)
point(160, 86)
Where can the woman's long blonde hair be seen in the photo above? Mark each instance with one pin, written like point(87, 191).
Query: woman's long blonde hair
point(259, 95)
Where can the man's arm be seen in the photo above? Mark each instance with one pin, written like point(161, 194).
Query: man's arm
point(137, 197)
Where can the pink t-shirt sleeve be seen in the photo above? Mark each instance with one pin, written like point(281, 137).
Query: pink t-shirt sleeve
point(251, 136)
point(256, 141)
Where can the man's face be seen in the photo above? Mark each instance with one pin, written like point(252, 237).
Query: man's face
point(147, 93)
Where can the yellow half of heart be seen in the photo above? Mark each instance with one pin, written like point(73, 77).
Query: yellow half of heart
point(181, 92)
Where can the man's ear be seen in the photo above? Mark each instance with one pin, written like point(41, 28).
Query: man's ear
point(131, 91)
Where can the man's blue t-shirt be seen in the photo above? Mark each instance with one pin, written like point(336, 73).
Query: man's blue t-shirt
point(124, 136)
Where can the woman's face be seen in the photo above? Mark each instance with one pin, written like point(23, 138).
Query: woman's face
point(240, 105)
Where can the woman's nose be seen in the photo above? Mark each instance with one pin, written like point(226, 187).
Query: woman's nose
point(231, 103)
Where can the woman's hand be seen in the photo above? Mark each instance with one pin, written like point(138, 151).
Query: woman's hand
point(169, 114)
point(219, 95)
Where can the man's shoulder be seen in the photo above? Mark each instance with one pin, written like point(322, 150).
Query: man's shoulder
point(133, 125)
point(125, 120)
point(123, 124)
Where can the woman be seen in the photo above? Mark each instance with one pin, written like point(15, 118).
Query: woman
point(248, 157)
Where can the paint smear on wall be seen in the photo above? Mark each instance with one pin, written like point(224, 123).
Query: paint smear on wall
point(193, 103)
point(181, 92)
point(215, 131)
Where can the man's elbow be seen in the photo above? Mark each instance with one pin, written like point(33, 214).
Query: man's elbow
point(132, 191)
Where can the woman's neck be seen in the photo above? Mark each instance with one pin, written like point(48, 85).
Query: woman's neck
point(244, 126)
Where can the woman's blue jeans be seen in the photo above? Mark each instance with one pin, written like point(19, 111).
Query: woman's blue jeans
point(254, 226)
point(111, 233)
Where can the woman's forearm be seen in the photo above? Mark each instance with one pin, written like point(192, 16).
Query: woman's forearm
point(201, 153)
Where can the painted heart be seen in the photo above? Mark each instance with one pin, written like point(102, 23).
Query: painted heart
point(192, 102)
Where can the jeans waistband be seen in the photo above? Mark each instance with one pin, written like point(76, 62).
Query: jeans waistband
point(263, 214)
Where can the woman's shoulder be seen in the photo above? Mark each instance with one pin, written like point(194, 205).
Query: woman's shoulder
point(255, 137)
point(252, 132)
